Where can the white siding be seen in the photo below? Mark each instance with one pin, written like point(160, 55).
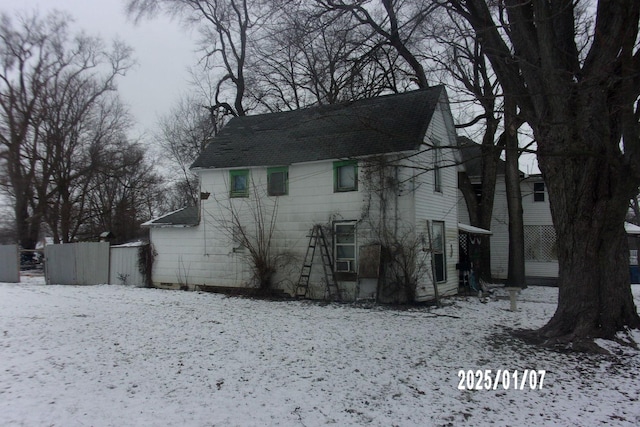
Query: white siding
point(431, 205)
point(535, 269)
point(534, 213)
point(537, 213)
point(463, 212)
point(500, 229)
point(205, 254)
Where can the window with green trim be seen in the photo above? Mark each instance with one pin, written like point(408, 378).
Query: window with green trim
point(278, 181)
point(239, 180)
point(345, 175)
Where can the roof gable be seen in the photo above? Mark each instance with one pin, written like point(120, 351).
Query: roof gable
point(386, 124)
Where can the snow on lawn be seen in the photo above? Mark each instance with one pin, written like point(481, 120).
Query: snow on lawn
point(113, 356)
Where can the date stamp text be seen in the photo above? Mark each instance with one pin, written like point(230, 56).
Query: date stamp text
point(505, 379)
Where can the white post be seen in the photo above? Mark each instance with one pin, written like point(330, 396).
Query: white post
point(513, 293)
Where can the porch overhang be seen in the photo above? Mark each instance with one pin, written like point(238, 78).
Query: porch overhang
point(474, 230)
point(632, 229)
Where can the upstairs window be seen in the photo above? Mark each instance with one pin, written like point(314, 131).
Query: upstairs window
point(437, 175)
point(538, 191)
point(345, 176)
point(278, 181)
point(239, 180)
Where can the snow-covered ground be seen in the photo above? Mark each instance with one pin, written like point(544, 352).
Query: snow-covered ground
point(117, 356)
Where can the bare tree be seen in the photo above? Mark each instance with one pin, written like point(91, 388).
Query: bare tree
point(7, 227)
point(581, 102)
point(227, 30)
point(250, 223)
point(183, 134)
point(464, 64)
point(27, 56)
point(395, 21)
point(50, 86)
point(516, 270)
point(406, 253)
point(309, 56)
point(121, 193)
point(81, 119)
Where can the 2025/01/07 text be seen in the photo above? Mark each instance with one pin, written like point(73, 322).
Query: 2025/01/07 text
point(506, 379)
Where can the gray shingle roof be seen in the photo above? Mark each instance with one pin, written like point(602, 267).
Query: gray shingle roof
point(386, 124)
point(183, 217)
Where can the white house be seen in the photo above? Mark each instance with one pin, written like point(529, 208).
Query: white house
point(372, 173)
point(540, 251)
point(541, 260)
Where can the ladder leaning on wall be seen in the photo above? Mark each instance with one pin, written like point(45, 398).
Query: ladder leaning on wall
point(317, 239)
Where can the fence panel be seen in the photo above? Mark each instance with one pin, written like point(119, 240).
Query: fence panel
point(77, 263)
point(92, 263)
point(9, 264)
point(124, 266)
point(60, 264)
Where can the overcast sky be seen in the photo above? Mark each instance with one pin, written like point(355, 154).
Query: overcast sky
point(163, 51)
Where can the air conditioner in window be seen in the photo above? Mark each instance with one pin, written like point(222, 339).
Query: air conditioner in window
point(343, 266)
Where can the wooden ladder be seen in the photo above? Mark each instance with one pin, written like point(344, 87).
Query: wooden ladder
point(332, 291)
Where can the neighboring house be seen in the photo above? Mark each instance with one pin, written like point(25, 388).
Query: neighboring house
point(369, 172)
point(540, 250)
point(541, 260)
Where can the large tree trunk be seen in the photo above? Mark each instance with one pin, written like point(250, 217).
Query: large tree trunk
point(589, 194)
point(24, 225)
point(27, 224)
point(490, 159)
point(582, 104)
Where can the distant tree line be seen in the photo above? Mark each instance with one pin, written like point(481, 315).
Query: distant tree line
point(66, 162)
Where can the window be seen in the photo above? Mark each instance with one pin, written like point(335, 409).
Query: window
point(239, 183)
point(344, 242)
point(278, 181)
point(345, 176)
point(538, 191)
point(439, 255)
point(437, 175)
